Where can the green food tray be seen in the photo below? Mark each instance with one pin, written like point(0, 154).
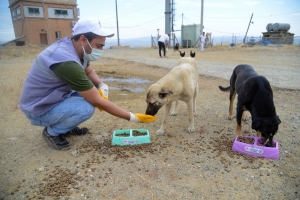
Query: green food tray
point(128, 137)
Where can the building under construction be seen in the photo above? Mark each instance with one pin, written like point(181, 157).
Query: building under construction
point(278, 34)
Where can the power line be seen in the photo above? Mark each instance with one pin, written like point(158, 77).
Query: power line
point(222, 31)
point(188, 6)
point(7, 25)
point(135, 25)
point(136, 10)
point(246, 17)
point(278, 14)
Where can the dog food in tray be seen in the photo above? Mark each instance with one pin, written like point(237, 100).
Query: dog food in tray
point(130, 137)
point(255, 148)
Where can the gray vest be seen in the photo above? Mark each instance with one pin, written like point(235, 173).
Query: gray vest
point(43, 89)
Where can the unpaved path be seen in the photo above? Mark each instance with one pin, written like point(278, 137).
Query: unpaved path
point(282, 71)
point(177, 165)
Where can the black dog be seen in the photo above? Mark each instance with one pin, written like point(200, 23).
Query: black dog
point(176, 47)
point(192, 54)
point(255, 95)
point(182, 54)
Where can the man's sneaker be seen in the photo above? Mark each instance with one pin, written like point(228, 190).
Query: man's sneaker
point(57, 142)
point(78, 131)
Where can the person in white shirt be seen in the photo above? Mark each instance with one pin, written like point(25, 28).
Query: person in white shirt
point(202, 40)
point(163, 42)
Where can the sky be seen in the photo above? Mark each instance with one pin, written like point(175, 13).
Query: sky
point(141, 18)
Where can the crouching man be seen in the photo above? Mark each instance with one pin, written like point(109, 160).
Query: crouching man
point(62, 90)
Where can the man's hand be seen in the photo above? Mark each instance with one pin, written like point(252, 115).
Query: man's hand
point(102, 95)
point(104, 89)
point(138, 117)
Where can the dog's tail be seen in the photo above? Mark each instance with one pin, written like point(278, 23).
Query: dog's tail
point(224, 88)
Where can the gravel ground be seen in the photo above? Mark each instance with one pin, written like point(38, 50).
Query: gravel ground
point(177, 165)
point(285, 76)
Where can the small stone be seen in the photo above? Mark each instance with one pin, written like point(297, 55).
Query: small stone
point(74, 153)
point(206, 168)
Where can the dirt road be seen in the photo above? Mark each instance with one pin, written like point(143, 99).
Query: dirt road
point(177, 165)
point(281, 70)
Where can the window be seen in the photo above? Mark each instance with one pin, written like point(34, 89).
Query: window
point(57, 35)
point(61, 12)
point(19, 13)
point(14, 16)
point(33, 10)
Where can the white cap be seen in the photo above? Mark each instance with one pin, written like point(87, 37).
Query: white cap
point(94, 26)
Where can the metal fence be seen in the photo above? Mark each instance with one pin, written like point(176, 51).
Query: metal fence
point(261, 41)
point(249, 41)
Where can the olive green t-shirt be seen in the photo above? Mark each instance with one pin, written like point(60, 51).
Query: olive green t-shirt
point(73, 74)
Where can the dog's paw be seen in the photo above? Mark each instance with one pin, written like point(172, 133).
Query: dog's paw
point(238, 131)
point(173, 113)
point(160, 132)
point(191, 130)
point(230, 117)
point(244, 117)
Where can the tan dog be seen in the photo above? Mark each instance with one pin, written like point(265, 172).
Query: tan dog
point(181, 83)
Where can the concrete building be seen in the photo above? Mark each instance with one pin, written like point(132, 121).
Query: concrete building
point(42, 22)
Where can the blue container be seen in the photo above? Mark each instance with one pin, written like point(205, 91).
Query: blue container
point(127, 137)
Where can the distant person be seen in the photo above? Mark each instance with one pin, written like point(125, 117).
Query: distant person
point(163, 42)
point(206, 39)
point(202, 41)
point(62, 90)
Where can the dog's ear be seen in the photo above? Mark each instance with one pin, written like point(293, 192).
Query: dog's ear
point(147, 97)
point(278, 120)
point(256, 124)
point(164, 92)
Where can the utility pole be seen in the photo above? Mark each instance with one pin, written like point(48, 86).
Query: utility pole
point(201, 25)
point(48, 32)
point(117, 24)
point(168, 17)
point(248, 28)
point(172, 23)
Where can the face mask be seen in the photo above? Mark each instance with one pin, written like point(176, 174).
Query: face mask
point(94, 55)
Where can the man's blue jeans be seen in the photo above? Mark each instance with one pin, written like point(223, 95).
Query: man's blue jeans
point(65, 116)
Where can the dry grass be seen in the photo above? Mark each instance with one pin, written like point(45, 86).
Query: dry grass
point(10, 52)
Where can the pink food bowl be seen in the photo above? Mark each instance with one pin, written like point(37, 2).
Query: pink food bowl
point(255, 150)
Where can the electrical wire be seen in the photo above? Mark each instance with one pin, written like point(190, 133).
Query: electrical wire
point(156, 19)
point(188, 6)
point(6, 26)
point(136, 10)
point(246, 17)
